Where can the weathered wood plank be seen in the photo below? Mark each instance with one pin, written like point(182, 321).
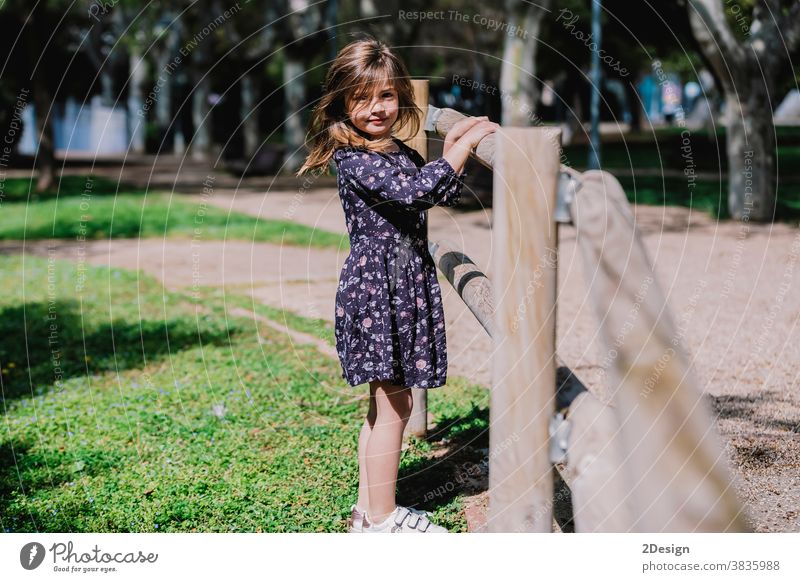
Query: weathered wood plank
point(523, 362)
point(674, 467)
point(484, 152)
point(599, 495)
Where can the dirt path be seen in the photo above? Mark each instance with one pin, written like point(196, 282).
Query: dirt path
point(733, 290)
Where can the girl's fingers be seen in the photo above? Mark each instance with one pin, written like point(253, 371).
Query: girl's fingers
point(470, 121)
point(475, 128)
point(489, 127)
point(463, 126)
point(478, 132)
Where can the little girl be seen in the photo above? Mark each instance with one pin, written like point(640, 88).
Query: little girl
point(389, 323)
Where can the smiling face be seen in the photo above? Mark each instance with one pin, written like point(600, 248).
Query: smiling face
point(375, 111)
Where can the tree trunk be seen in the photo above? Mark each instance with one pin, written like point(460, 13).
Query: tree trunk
point(301, 45)
point(249, 116)
point(162, 83)
point(200, 144)
point(42, 105)
point(746, 73)
point(201, 119)
point(136, 113)
point(293, 129)
point(45, 152)
point(519, 92)
point(751, 154)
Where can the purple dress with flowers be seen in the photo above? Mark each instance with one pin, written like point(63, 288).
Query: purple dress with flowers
point(389, 312)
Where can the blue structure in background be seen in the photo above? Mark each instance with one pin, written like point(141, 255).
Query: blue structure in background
point(668, 100)
point(650, 93)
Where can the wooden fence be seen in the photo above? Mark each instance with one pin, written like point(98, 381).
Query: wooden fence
point(651, 461)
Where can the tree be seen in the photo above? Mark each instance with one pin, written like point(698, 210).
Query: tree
point(302, 38)
point(32, 57)
point(747, 60)
point(35, 45)
point(518, 83)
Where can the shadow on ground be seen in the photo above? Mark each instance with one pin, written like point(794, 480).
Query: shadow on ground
point(44, 344)
point(459, 466)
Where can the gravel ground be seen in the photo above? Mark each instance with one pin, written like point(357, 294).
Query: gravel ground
point(733, 291)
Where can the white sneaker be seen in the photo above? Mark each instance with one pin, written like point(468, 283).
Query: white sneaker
point(404, 520)
point(357, 521)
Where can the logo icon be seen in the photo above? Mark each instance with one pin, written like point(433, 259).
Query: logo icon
point(31, 555)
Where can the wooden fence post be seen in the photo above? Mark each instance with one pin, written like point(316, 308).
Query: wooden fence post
point(523, 363)
point(418, 421)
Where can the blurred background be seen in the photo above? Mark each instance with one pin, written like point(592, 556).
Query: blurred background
point(233, 84)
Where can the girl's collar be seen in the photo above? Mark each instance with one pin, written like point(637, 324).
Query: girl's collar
point(400, 145)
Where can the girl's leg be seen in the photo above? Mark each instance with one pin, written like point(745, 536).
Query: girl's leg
point(393, 405)
point(363, 488)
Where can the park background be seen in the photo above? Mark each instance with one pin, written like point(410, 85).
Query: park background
point(166, 345)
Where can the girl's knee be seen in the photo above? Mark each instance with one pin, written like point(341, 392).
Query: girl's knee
point(394, 399)
point(403, 403)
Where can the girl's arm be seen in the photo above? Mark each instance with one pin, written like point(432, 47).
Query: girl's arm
point(377, 180)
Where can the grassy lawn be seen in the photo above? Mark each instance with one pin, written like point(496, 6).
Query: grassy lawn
point(106, 213)
point(661, 150)
point(706, 196)
point(640, 159)
point(127, 409)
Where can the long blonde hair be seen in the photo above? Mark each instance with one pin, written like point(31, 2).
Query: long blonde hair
point(357, 70)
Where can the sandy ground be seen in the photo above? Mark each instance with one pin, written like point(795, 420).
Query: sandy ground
point(733, 290)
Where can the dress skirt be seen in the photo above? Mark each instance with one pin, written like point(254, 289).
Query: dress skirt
point(389, 315)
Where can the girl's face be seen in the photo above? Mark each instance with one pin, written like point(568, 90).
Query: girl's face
point(375, 114)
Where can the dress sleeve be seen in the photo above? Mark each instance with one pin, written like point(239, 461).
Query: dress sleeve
point(378, 180)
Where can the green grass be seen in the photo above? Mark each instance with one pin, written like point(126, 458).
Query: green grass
point(662, 150)
point(710, 197)
point(650, 169)
point(162, 418)
point(24, 189)
point(706, 196)
point(130, 214)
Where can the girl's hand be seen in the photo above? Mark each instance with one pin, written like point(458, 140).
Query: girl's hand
point(461, 127)
point(457, 152)
point(476, 133)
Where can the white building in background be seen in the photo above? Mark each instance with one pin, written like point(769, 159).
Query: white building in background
point(788, 112)
point(91, 129)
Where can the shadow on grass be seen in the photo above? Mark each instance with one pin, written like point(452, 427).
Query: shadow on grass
point(23, 472)
point(13, 482)
point(459, 464)
point(44, 344)
point(23, 189)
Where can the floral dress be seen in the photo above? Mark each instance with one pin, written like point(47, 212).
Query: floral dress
point(389, 322)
